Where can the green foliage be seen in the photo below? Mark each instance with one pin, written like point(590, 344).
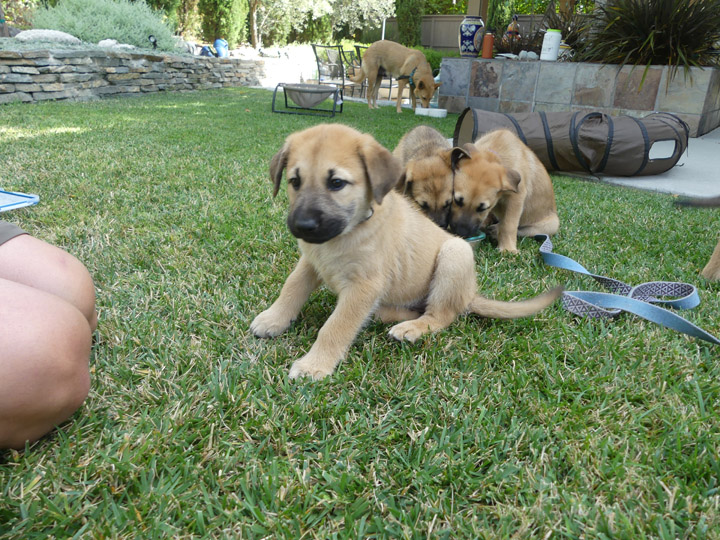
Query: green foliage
point(676, 33)
point(409, 15)
point(223, 19)
point(552, 426)
point(18, 13)
point(188, 18)
point(434, 57)
point(95, 20)
point(445, 7)
point(317, 30)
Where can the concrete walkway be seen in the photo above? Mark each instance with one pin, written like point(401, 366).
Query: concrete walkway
point(696, 174)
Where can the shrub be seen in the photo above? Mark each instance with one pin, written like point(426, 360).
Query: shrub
point(224, 19)
point(409, 19)
point(95, 20)
point(676, 33)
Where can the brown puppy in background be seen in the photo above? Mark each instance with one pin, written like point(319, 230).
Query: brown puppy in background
point(371, 246)
point(499, 174)
point(427, 179)
point(712, 268)
point(408, 66)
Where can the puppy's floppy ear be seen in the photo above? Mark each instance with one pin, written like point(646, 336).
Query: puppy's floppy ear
point(455, 155)
point(382, 169)
point(277, 166)
point(511, 180)
point(420, 85)
point(437, 84)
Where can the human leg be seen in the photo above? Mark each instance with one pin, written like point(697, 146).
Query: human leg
point(44, 378)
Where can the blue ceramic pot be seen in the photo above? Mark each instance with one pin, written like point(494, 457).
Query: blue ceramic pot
point(471, 34)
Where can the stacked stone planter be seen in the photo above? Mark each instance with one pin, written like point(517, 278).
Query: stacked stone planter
point(31, 76)
point(511, 86)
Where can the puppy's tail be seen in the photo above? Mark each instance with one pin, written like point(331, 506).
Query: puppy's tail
point(707, 202)
point(358, 76)
point(498, 309)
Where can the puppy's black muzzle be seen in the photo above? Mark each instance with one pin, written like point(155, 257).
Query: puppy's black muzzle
point(464, 228)
point(440, 217)
point(313, 225)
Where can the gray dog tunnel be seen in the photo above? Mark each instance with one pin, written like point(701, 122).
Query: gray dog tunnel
point(592, 142)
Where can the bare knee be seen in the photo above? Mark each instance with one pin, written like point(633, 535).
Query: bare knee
point(48, 384)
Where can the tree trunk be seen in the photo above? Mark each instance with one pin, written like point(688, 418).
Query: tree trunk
point(4, 29)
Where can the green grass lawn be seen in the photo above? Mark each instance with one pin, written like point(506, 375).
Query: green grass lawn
point(546, 427)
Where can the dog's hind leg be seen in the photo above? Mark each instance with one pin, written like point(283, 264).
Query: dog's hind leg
point(548, 225)
point(451, 290)
point(275, 320)
point(712, 269)
point(389, 314)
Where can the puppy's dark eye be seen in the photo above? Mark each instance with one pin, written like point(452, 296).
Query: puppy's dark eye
point(425, 205)
point(294, 182)
point(482, 207)
point(336, 184)
point(459, 201)
point(447, 204)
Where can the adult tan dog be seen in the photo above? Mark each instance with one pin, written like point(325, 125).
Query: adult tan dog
point(712, 268)
point(427, 177)
point(408, 66)
point(369, 245)
point(499, 174)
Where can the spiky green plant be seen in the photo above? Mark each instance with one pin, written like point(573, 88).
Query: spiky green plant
point(676, 33)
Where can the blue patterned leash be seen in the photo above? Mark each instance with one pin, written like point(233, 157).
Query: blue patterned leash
point(638, 300)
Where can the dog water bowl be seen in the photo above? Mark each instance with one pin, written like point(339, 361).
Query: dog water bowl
point(475, 240)
point(434, 113)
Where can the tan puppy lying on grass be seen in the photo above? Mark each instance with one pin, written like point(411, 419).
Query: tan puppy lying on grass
point(712, 268)
point(369, 245)
point(427, 179)
point(499, 174)
point(408, 66)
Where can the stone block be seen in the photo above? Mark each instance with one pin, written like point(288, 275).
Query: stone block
point(7, 88)
point(518, 81)
point(75, 77)
point(631, 92)
point(455, 77)
point(45, 78)
point(595, 85)
point(29, 70)
point(44, 96)
point(15, 96)
point(684, 93)
point(54, 87)
point(485, 103)
point(15, 78)
point(123, 77)
point(28, 88)
point(515, 106)
point(485, 78)
point(556, 81)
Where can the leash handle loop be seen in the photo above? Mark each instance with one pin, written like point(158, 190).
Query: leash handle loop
point(638, 300)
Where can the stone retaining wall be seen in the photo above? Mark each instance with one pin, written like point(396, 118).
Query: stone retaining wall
point(511, 86)
point(32, 76)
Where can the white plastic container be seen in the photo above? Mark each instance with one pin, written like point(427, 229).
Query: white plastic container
point(550, 45)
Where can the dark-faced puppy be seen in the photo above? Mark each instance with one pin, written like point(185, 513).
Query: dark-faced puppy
point(500, 175)
point(369, 245)
point(427, 177)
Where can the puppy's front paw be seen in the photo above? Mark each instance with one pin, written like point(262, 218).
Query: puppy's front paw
point(408, 331)
point(311, 366)
point(269, 324)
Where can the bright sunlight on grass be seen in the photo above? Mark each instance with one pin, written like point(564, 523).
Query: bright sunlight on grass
point(546, 427)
